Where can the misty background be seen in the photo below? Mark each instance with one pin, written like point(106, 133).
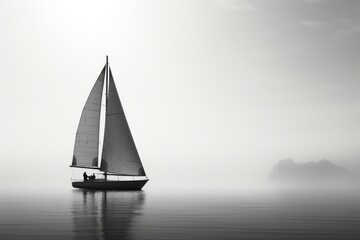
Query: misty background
point(215, 92)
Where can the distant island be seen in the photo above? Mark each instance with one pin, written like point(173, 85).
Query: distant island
point(288, 171)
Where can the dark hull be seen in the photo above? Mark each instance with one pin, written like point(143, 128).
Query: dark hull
point(111, 185)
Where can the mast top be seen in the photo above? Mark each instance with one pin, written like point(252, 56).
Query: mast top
point(107, 59)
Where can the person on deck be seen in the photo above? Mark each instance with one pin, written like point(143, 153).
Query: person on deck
point(92, 177)
point(85, 176)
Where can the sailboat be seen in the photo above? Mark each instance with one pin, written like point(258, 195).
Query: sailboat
point(119, 155)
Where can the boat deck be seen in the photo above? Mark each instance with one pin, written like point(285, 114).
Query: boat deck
point(102, 184)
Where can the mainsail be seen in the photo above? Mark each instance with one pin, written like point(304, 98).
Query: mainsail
point(119, 153)
point(86, 148)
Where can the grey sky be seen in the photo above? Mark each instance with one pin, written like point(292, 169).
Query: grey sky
point(212, 89)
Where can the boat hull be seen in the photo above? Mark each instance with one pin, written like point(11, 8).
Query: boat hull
point(111, 185)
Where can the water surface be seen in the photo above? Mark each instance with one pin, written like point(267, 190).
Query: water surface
point(79, 214)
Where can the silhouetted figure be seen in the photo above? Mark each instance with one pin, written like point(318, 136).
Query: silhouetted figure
point(85, 176)
point(92, 177)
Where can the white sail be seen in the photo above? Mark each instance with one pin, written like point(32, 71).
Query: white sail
point(86, 148)
point(119, 153)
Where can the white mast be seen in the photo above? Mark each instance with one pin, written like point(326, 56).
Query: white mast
point(106, 102)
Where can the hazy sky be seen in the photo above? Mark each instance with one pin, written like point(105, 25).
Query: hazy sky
point(214, 91)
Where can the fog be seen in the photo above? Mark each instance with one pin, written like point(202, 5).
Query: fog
point(323, 176)
point(215, 92)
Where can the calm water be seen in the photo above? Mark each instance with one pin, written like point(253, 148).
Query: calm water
point(77, 214)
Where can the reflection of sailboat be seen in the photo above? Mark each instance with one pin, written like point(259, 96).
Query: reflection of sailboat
point(107, 215)
point(85, 211)
point(119, 212)
point(119, 153)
